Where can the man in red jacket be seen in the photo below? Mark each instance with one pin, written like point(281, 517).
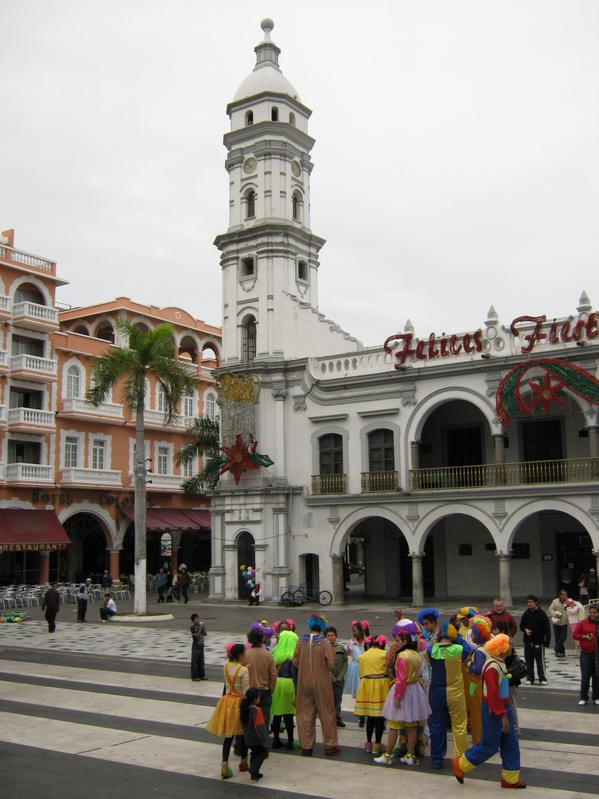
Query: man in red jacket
point(499, 613)
point(585, 633)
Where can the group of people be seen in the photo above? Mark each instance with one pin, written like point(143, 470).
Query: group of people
point(52, 599)
point(174, 584)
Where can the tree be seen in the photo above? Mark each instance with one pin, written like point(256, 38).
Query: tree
point(205, 434)
point(149, 353)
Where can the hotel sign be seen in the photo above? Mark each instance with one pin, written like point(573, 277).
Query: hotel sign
point(536, 330)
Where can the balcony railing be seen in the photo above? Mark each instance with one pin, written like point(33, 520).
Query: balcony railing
point(31, 310)
point(103, 477)
point(190, 367)
point(3, 413)
point(572, 470)
point(3, 358)
point(26, 259)
point(31, 363)
point(4, 303)
point(376, 482)
point(111, 410)
point(172, 481)
point(31, 416)
point(29, 472)
point(329, 484)
point(157, 418)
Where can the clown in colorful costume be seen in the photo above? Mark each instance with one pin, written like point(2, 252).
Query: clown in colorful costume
point(480, 633)
point(283, 699)
point(374, 682)
point(498, 721)
point(447, 697)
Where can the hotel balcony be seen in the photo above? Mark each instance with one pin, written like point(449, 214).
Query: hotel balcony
point(30, 419)
point(30, 367)
point(4, 361)
point(29, 473)
point(173, 482)
point(5, 310)
point(156, 419)
point(2, 414)
point(378, 482)
point(573, 470)
point(25, 259)
point(189, 366)
point(82, 408)
point(97, 477)
point(329, 484)
point(38, 317)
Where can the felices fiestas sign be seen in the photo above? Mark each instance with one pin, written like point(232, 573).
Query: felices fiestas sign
point(449, 346)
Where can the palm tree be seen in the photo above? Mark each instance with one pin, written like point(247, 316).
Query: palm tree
point(205, 434)
point(149, 353)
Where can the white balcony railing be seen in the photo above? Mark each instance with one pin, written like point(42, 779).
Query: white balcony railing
point(31, 416)
point(4, 302)
point(3, 358)
point(26, 258)
point(190, 367)
point(31, 363)
point(78, 405)
point(105, 477)
point(43, 313)
point(2, 413)
point(29, 472)
point(172, 481)
point(157, 418)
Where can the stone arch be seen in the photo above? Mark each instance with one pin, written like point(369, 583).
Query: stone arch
point(347, 524)
point(34, 282)
point(426, 524)
point(423, 410)
point(103, 322)
point(106, 521)
point(514, 520)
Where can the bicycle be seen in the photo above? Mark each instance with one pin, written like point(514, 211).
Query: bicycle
point(295, 597)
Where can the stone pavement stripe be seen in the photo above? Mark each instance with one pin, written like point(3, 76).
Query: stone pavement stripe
point(176, 713)
point(327, 779)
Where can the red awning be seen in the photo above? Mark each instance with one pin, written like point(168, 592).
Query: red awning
point(23, 530)
point(167, 519)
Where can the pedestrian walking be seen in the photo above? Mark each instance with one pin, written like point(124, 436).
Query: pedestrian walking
point(559, 619)
point(226, 721)
point(314, 659)
point(198, 633)
point(108, 609)
point(82, 599)
point(575, 614)
point(161, 584)
point(536, 631)
point(51, 604)
point(339, 671)
point(586, 634)
point(183, 584)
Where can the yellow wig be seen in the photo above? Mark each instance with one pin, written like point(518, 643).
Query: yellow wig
point(498, 645)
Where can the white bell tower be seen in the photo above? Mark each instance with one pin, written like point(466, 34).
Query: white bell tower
point(269, 255)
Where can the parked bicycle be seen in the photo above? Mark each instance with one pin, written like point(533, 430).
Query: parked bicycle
point(294, 597)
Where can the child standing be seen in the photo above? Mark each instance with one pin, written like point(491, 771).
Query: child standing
point(374, 686)
point(355, 648)
point(406, 706)
point(225, 721)
point(254, 731)
point(198, 633)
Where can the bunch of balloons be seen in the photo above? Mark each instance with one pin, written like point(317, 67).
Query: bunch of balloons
point(249, 576)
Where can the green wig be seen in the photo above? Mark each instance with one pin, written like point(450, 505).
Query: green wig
point(285, 648)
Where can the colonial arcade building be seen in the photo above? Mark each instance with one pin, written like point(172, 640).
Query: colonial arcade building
point(390, 458)
point(66, 485)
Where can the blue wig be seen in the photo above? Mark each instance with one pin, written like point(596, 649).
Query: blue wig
point(316, 623)
point(427, 612)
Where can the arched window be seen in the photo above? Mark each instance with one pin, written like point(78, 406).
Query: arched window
point(292, 119)
point(330, 453)
point(81, 330)
point(248, 339)
point(302, 271)
point(189, 410)
point(381, 453)
point(105, 331)
point(249, 118)
point(162, 401)
point(73, 382)
point(274, 114)
point(210, 406)
point(250, 204)
point(297, 206)
point(27, 292)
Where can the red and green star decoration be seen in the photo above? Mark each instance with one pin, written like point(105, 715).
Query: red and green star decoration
point(238, 459)
point(546, 391)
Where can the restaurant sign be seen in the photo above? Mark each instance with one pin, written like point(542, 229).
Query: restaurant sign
point(32, 547)
point(531, 329)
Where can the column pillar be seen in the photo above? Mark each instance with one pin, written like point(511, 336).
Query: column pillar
point(338, 582)
point(505, 581)
point(217, 569)
point(417, 583)
point(44, 572)
point(499, 442)
point(231, 571)
point(279, 395)
point(593, 432)
point(261, 573)
point(415, 454)
point(114, 566)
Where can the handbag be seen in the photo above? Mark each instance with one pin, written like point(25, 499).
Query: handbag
point(516, 670)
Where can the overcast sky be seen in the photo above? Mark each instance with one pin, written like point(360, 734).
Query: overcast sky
point(456, 150)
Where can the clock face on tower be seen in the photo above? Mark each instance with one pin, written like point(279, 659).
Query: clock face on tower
point(296, 168)
point(249, 165)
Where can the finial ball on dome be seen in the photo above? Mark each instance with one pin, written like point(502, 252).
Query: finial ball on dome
point(267, 25)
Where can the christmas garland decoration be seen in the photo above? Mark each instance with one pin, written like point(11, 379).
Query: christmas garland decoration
point(237, 459)
point(544, 392)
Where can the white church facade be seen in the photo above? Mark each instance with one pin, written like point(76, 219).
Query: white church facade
point(390, 459)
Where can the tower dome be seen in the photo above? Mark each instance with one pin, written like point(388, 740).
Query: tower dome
point(266, 75)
